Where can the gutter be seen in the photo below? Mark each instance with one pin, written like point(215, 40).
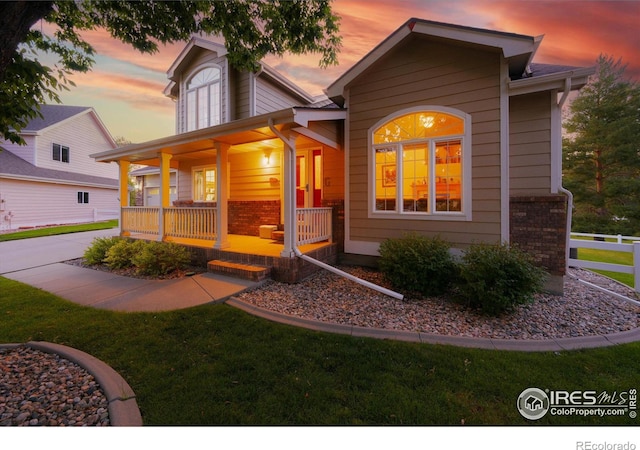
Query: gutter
point(321, 264)
point(568, 193)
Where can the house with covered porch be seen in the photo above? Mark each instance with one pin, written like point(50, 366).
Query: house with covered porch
point(441, 129)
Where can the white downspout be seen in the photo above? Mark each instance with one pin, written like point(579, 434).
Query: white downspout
point(568, 193)
point(325, 266)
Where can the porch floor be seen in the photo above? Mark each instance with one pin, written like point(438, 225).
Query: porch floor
point(250, 245)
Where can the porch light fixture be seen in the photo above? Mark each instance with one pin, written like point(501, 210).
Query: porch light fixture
point(267, 158)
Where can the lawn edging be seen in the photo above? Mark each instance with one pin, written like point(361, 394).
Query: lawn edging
point(123, 408)
point(521, 345)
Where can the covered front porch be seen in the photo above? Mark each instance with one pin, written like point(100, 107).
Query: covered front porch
point(265, 185)
point(196, 227)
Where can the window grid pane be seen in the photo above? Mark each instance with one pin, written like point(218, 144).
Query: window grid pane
point(386, 178)
point(415, 177)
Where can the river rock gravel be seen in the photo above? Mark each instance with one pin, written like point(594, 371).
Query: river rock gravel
point(42, 389)
point(327, 297)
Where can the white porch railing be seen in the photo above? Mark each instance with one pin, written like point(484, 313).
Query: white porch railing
point(314, 225)
point(633, 248)
point(190, 223)
point(140, 219)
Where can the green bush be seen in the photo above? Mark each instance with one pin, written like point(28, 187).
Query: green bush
point(160, 258)
point(418, 263)
point(97, 251)
point(121, 254)
point(497, 278)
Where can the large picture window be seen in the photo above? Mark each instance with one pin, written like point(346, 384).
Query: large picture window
point(420, 164)
point(203, 99)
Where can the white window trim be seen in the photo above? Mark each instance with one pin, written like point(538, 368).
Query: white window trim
point(466, 200)
point(62, 149)
point(185, 92)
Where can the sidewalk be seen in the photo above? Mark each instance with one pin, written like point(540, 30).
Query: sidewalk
point(38, 262)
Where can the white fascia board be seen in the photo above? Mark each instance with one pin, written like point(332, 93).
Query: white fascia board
point(579, 77)
point(303, 116)
point(9, 176)
point(284, 116)
point(219, 49)
point(272, 73)
point(337, 87)
point(510, 44)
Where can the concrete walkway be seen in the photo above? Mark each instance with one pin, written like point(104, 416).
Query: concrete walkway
point(38, 262)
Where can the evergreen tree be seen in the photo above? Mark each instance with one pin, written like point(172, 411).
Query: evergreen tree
point(602, 152)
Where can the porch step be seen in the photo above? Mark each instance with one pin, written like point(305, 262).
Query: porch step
point(237, 270)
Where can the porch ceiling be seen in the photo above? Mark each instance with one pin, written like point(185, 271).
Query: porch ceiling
point(242, 135)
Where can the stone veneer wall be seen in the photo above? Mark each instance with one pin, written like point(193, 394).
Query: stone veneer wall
point(245, 217)
point(538, 225)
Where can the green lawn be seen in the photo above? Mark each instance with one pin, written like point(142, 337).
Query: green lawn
point(64, 229)
point(214, 364)
point(612, 257)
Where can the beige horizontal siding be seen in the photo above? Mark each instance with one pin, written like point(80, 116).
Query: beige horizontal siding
point(270, 98)
point(530, 144)
point(428, 73)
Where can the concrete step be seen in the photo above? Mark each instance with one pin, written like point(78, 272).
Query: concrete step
point(237, 270)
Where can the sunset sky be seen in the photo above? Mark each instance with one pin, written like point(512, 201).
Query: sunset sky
point(125, 87)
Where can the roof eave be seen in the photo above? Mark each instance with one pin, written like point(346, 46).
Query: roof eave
point(517, 49)
point(555, 81)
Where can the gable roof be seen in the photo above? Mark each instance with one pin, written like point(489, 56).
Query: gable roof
point(53, 114)
point(517, 49)
point(190, 51)
point(14, 167)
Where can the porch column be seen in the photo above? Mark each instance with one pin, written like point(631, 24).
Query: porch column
point(124, 193)
point(165, 192)
point(222, 195)
point(289, 172)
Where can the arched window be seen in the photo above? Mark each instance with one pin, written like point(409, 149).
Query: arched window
point(203, 99)
point(420, 161)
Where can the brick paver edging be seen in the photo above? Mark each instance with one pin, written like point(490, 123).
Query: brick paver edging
point(521, 345)
point(123, 408)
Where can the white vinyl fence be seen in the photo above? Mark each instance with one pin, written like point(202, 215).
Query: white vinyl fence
point(619, 246)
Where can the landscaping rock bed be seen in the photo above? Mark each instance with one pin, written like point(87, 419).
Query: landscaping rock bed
point(582, 311)
point(43, 389)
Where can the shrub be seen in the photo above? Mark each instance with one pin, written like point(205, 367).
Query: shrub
point(418, 263)
point(160, 258)
point(97, 251)
point(120, 255)
point(497, 278)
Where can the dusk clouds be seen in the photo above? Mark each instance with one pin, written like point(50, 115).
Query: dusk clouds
point(126, 87)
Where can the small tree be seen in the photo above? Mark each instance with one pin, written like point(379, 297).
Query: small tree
point(602, 152)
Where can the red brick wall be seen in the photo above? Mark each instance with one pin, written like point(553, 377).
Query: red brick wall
point(538, 226)
point(245, 217)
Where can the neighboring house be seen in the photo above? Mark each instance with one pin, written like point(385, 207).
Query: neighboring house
point(441, 129)
point(52, 180)
point(146, 181)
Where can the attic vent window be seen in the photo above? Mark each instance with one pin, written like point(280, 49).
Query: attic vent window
point(203, 99)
